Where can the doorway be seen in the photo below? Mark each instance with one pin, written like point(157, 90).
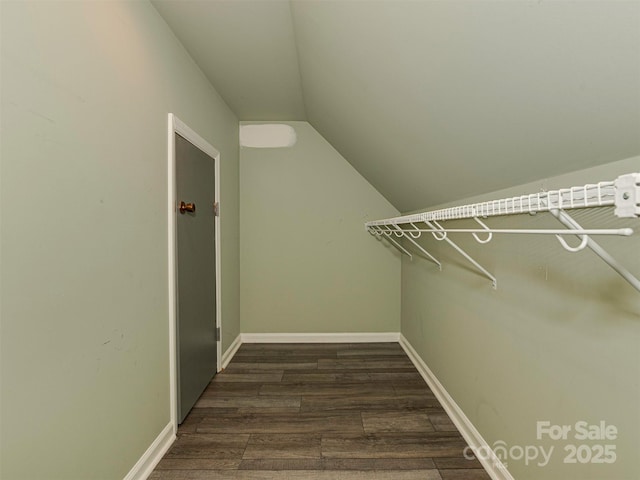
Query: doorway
point(194, 266)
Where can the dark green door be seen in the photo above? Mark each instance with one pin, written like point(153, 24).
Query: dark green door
point(196, 273)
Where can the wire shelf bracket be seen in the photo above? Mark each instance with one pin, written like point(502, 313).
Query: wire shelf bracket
point(622, 193)
point(443, 236)
point(391, 241)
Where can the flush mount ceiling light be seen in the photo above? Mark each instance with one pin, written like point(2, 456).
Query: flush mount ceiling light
point(267, 135)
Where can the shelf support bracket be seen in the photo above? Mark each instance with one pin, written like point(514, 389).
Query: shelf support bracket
point(419, 247)
point(434, 228)
point(399, 247)
point(393, 242)
point(568, 221)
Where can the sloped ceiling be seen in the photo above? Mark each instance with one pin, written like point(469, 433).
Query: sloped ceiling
point(247, 49)
point(431, 101)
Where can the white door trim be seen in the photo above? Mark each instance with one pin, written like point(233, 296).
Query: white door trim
point(175, 125)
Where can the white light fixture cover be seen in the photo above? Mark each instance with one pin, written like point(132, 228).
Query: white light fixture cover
point(267, 135)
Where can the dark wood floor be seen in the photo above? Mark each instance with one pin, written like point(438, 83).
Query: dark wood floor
point(318, 411)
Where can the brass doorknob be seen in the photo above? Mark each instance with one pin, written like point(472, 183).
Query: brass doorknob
point(187, 207)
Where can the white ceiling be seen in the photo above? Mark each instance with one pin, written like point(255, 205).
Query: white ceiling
point(431, 101)
point(247, 49)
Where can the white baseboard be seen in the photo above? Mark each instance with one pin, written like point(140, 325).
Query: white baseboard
point(148, 461)
point(231, 351)
point(493, 466)
point(320, 337)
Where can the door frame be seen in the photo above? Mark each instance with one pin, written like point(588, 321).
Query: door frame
point(175, 125)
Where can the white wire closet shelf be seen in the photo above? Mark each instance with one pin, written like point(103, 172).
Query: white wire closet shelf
point(623, 193)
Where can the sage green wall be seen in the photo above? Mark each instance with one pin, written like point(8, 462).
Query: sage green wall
point(307, 264)
point(86, 89)
point(559, 340)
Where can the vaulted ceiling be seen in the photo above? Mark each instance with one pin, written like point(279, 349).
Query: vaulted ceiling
point(431, 101)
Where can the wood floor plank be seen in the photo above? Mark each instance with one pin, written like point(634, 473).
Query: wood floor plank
point(365, 364)
point(283, 446)
point(283, 423)
point(342, 376)
point(402, 378)
point(367, 402)
point(456, 463)
point(306, 377)
point(208, 446)
point(199, 464)
point(360, 371)
point(465, 474)
point(167, 475)
point(268, 366)
point(196, 415)
point(399, 446)
point(254, 377)
point(309, 362)
point(369, 346)
point(279, 464)
point(364, 464)
point(325, 389)
point(256, 401)
point(411, 388)
point(396, 422)
point(340, 464)
point(231, 389)
point(268, 410)
point(201, 412)
point(369, 352)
